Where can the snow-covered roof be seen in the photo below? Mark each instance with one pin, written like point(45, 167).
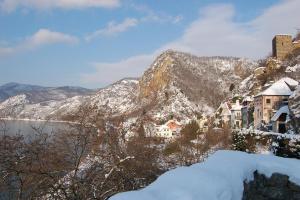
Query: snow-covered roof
point(248, 99)
point(173, 121)
point(225, 109)
point(290, 81)
point(280, 88)
point(237, 106)
point(220, 177)
point(282, 110)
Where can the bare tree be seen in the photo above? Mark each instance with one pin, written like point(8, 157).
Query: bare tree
point(84, 160)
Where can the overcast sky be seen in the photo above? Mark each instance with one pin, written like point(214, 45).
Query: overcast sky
point(93, 43)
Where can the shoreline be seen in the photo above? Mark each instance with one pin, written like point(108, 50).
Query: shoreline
point(36, 120)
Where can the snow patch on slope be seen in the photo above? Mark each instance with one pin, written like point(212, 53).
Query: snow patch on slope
point(118, 98)
point(14, 104)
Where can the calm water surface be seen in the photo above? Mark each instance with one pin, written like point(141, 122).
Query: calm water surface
point(27, 128)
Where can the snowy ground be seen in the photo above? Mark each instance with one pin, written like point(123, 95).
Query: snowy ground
point(219, 178)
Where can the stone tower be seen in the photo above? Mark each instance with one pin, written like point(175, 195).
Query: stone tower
point(282, 45)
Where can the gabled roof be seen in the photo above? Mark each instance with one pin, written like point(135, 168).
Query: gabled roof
point(172, 121)
point(226, 107)
point(282, 110)
point(247, 99)
point(280, 88)
point(173, 125)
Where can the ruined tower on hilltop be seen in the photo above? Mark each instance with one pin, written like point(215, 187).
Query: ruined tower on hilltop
point(282, 45)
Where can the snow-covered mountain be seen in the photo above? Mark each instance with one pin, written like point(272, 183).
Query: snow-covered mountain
point(176, 85)
point(116, 98)
point(36, 94)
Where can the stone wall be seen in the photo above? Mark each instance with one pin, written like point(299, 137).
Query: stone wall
point(277, 187)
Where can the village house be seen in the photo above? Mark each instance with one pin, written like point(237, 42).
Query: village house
point(267, 102)
point(236, 115)
point(280, 119)
point(164, 132)
point(247, 111)
point(203, 124)
point(224, 112)
point(169, 129)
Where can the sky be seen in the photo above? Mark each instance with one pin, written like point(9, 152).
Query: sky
point(93, 43)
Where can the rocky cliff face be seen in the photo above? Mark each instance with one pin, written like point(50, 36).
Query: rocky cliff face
point(202, 80)
point(157, 77)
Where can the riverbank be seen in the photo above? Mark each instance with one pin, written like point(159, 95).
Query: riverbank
point(37, 120)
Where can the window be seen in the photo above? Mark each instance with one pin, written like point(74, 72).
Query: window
point(268, 101)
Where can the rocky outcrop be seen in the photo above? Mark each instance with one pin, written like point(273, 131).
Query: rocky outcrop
point(203, 80)
point(277, 187)
point(269, 71)
point(157, 77)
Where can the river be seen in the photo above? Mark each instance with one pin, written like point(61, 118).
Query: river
point(27, 128)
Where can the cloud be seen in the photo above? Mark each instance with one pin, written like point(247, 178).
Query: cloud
point(108, 72)
point(177, 19)
point(41, 38)
point(215, 33)
point(113, 28)
point(6, 50)
point(11, 5)
point(154, 16)
point(220, 35)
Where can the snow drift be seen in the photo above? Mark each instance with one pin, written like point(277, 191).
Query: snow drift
point(221, 177)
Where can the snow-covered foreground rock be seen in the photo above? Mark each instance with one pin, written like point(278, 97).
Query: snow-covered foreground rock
point(220, 177)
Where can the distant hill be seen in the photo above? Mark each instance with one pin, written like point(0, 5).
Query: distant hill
point(36, 94)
